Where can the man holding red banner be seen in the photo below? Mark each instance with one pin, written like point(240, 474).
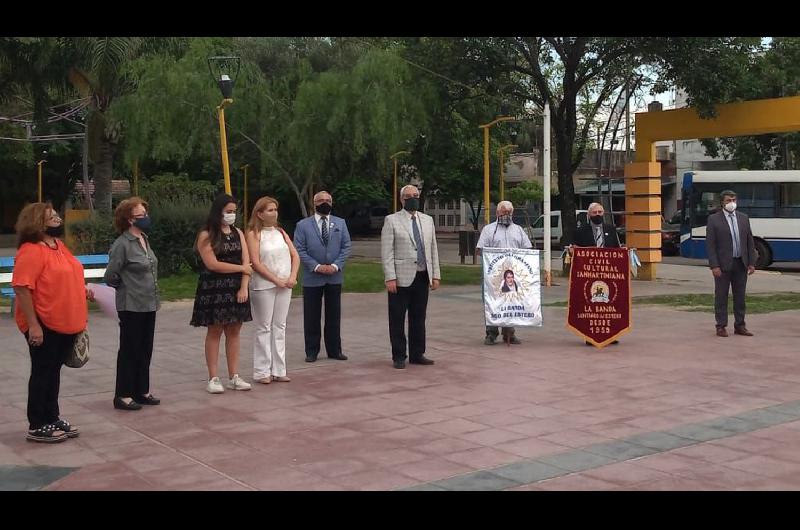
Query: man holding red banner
point(596, 233)
point(599, 234)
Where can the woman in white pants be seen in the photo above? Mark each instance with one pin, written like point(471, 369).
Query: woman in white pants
point(275, 264)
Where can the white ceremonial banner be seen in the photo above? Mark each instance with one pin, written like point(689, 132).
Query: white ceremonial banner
point(512, 290)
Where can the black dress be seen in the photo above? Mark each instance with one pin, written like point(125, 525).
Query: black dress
point(215, 299)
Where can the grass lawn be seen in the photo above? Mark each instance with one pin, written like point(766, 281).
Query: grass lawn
point(359, 277)
point(756, 303)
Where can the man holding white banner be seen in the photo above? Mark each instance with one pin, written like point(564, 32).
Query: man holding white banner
point(504, 234)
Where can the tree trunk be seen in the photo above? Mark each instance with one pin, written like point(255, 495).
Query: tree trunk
point(103, 170)
point(300, 194)
point(566, 187)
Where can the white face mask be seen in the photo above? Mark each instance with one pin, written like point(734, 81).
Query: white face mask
point(229, 218)
point(730, 207)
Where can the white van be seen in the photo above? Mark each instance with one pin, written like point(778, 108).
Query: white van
point(556, 228)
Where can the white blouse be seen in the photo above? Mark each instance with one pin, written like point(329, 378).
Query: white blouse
point(275, 255)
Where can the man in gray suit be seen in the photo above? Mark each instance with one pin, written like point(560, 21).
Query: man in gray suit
point(410, 258)
point(731, 257)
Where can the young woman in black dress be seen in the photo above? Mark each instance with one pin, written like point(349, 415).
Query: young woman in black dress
point(221, 302)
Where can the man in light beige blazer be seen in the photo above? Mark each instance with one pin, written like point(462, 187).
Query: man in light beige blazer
point(410, 258)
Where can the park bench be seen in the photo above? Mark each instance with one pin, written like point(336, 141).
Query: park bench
point(94, 267)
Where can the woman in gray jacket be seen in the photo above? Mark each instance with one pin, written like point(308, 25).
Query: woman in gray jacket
point(133, 271)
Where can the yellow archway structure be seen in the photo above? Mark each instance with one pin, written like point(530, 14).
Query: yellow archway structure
point(643, 176)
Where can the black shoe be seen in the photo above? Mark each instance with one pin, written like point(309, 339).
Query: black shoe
point(399, 364)
point(119, 404)
point(514, 340)
point(421, 360)
point(310, 359)
point(147, 400)
point(340, 357)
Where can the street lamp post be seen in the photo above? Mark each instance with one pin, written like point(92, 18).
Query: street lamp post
point(39, 173)
point(136, 177)
point(486, 128)
point(221, 67)
point(502, 151)
point(394, 181)
point(245, 168)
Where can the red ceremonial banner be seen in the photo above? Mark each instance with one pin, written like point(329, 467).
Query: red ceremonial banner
point(599, 307)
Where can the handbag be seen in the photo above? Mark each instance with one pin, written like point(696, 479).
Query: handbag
point(80, 351)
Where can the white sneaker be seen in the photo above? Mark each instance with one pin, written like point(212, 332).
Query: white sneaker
point(214, 386)
point(237, 383)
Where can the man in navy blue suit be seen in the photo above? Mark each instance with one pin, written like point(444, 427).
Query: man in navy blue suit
point(323, 243)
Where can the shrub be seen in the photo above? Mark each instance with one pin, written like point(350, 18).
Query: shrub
point(178, 207)
point(92, 235)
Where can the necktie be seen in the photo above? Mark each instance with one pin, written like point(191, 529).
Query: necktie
point(325, 230)
point(736, 252)
point(418, 241)
point(598, 238)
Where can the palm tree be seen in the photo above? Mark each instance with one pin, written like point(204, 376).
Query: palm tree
point(99, 73)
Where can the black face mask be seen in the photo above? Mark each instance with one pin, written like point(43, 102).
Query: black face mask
point(597, 219)
point(143, 223)
point(55, 231)
point(324, 208)
point(411, 204)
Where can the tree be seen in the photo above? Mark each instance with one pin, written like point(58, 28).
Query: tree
point(775, 72)
point(99, 74)
point(577, 76)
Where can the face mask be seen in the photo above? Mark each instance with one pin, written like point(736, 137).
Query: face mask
point(324, 208)
point(143, 223)
point(504, 220)
point(597, 219)
point(411, 204)
point(229, 218)
point(731, 207)
point(55, 231)
point(270, 218)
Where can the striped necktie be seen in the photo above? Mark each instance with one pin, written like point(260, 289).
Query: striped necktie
point(736, 252)
point(325, 230)
point(598, 238)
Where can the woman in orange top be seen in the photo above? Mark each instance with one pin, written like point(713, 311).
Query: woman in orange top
point(51, 311)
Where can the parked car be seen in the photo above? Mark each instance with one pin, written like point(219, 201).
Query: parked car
point(671, 236)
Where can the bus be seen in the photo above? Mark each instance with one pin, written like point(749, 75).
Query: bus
point(770, 198)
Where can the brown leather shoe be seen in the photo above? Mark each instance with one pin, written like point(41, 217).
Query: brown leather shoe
point(742, 331)
point(722, 332)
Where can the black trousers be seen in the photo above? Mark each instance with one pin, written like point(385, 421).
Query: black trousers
point(312, 313)
point(45, 381)
point(735, 279)
point(414, 300)
point(136, 332)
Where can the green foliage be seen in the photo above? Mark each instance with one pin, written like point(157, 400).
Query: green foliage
point(169, 189)
point(178, 207)
point(773, 73)
point(176, 221)
point(93, 235)
point(355, 190)
point(525, 192)
point(173, 235)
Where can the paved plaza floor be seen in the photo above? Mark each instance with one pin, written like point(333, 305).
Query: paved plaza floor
point(671, 407)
